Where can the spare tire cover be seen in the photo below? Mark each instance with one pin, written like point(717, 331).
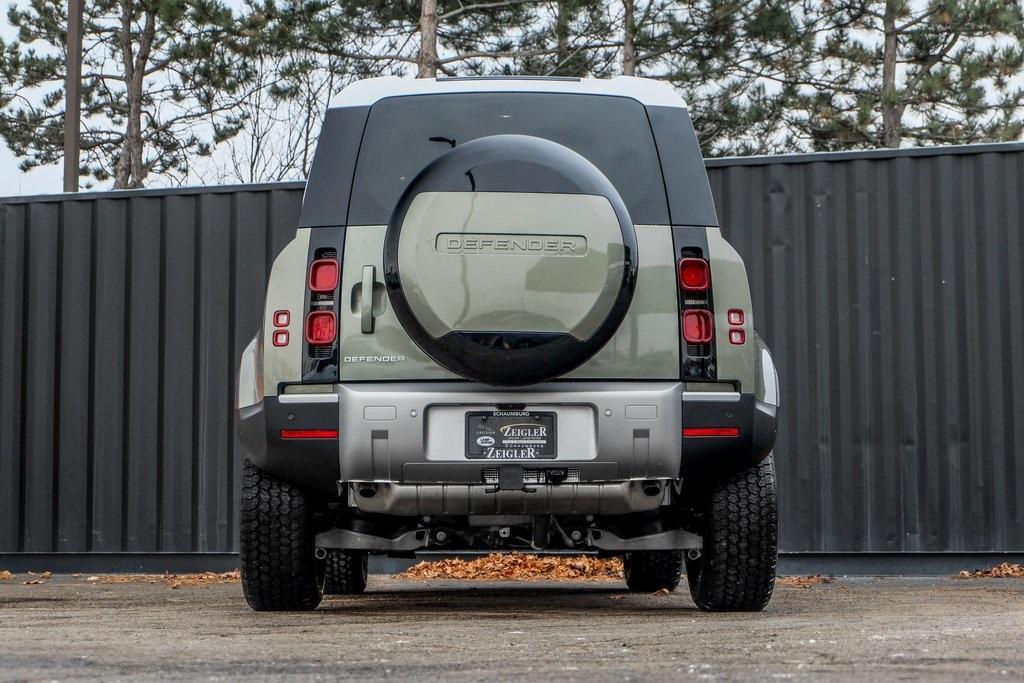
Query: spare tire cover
point(510, 260)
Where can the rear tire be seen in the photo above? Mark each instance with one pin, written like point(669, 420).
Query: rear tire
point(346, 572)
point(648, 571)
point(279, 568)
point(736, 571)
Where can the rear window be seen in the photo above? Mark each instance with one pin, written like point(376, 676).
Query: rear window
point(612, 132)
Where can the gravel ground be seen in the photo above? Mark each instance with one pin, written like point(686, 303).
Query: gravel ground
point(444, 630)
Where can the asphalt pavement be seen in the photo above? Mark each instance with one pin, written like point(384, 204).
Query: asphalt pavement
point(864, 628)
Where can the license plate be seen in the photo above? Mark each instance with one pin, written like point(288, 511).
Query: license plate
point(510, 435)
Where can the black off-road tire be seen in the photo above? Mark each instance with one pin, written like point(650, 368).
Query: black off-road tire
point(279, 567)
point(736, 571)
point(648, 571)
point(346, 572)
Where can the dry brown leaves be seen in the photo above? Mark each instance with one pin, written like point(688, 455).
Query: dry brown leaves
point(1000, 571)
point(519, 567)
point(38, 578)
point(804, 581)
point(6, 575)
point(171, 580)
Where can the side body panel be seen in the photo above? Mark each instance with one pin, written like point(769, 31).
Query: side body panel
point(736, 362)
point(286, 290)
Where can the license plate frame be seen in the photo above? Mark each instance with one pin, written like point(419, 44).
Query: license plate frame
point(511, 435)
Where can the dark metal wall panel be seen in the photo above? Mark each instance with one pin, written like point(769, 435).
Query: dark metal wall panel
point(890, 291)
point(122, 316)
point(889, 286)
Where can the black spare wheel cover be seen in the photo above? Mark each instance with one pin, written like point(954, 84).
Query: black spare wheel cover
point(510, 260)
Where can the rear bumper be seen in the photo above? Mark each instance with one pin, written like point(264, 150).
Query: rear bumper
point(709, 456)
point(414, 433)
point(404, 434)
point(312, 463)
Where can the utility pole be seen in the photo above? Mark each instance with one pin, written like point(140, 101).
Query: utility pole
point(73, 96)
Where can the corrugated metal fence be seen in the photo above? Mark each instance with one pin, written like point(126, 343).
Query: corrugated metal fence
point(122, 316)
point(890, 291)
point(889, 287)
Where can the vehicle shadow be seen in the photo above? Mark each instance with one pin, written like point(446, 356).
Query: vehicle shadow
point(521, 599)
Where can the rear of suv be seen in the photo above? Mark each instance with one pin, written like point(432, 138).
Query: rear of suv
point(508, 322)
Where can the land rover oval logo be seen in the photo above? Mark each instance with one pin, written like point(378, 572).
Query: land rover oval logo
point(485, 441)
point(521, 245)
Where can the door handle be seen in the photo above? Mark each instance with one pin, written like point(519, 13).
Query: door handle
point(366, 300)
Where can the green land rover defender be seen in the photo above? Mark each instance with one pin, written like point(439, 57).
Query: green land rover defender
point(508, 322)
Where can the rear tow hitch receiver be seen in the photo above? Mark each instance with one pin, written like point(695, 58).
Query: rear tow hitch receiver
point(556, 475)
point(510, 478)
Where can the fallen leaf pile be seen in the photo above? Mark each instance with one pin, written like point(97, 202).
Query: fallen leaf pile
point(6, 575)
point(804, 581)
point(519, 567)
point(1000, 571)
point(171, 580)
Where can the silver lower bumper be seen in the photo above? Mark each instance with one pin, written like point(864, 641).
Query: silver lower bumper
point(457, 499)
point(414, 433)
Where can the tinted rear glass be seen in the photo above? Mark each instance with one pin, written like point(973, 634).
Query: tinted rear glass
point(612, 132)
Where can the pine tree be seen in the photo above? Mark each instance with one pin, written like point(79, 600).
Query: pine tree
point(424, 38)
point(894, 72)
point(568, 38)
point(716, 53)
point(160, 79)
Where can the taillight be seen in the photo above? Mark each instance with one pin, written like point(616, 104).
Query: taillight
point(280, 337)
point(696, 314)
point(323, 275)
point(698, 326)
point(693, 274)
point(321, 327)
point(698, 432)
point(309, 433)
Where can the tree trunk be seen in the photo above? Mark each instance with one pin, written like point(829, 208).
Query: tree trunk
point(427, 58)
point(891, 111)
point(129, 168)
point(628, 30)
point(565, 10)
point(131, 171)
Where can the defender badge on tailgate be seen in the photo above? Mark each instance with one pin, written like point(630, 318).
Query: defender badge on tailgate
point(528, 245)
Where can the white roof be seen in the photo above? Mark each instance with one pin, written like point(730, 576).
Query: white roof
point(644, 90)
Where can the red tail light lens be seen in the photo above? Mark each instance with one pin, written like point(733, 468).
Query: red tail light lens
point(698, 432)
point(309, 433)
point(693, 274)
point(323, 275)
point(698, 326)
point(321, 327)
